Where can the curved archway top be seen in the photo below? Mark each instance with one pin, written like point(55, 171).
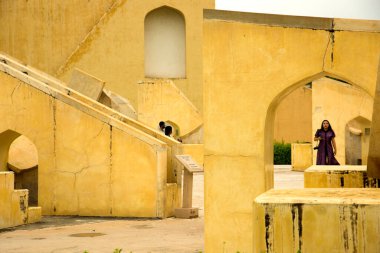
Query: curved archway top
point(360, 119)
point(9, 135)
point(165, 43)
point(165, 7)
point(278, 98)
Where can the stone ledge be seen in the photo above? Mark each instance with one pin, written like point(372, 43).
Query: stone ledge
point(358, 196)
point(345, 176)
point(317, 220)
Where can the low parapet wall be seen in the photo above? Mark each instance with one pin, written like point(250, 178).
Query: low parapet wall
point(302, 156)
point(344, 176)
point(14, 209)
point(317, 220)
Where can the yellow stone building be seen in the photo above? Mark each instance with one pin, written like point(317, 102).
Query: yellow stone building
point(216, 76)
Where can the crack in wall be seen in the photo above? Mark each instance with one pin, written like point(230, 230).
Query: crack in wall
point(332, 42)
point(54, 104)
point(13, 91)
point(110, 174)
point(89, 37)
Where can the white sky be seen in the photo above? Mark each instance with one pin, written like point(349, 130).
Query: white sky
point(354, 9)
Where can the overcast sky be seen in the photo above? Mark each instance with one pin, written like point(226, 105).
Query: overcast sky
point(355, 9)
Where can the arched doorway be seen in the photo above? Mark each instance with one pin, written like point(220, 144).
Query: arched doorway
point(357, 140)
point(165, 43)
point(333, 98)
point(19, 154)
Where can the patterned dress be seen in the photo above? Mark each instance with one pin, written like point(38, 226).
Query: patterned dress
point(325, 155)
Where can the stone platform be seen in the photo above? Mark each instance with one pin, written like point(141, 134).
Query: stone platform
point(344, 176)
point(317, 220)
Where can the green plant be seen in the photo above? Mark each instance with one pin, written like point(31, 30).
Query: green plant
point(117, 250)
point(281, 153)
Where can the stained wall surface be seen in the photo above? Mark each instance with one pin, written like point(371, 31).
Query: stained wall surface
point(311, 220)
point(253, 61)
point(14, 209)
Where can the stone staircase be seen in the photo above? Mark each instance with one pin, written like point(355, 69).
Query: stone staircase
point(14, 209)
point(137, 163)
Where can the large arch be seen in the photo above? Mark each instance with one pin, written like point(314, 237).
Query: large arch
point(252, 61)
point(165, 43)
point(269, 124)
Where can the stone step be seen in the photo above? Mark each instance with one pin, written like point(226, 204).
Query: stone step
point(317, 220)
point(34, 214)
point(14, 209)
point(19, 207)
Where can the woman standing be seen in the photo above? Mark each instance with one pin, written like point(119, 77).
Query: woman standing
point(327, 147)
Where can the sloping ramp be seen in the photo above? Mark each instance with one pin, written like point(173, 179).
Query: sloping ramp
point(93, 161)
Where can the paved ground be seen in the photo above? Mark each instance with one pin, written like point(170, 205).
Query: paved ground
point(102, 235)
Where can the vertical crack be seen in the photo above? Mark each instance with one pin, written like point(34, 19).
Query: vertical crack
point(110, 175)
point(332, 36)
point(54, 147)
point(332, 42)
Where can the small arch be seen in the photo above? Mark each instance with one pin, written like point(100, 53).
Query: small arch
point(357, 134)
point(19, 154)
point(176, 130)
point(165, 43)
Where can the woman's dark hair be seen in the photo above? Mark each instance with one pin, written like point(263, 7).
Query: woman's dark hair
point(168, 130)
point(328, 129)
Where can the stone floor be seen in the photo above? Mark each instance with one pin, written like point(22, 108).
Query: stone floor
point(101, 235)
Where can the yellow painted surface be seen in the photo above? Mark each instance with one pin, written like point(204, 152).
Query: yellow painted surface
point(22, 154)
point(6, 187)
point(293, 117)
point(292, 220)
point(251, 68)
point(346, 176)
point(43, 33)
point(172, 199)
point(50, 39)
point(161, 100)
point(242, 70)
point(195, 150)
point(302, 156)
point(34, 214)
point(89, 163)
point(340, 103)
point(124, 58)
point(228, 225)
point(14, 203)
point(374, 152)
